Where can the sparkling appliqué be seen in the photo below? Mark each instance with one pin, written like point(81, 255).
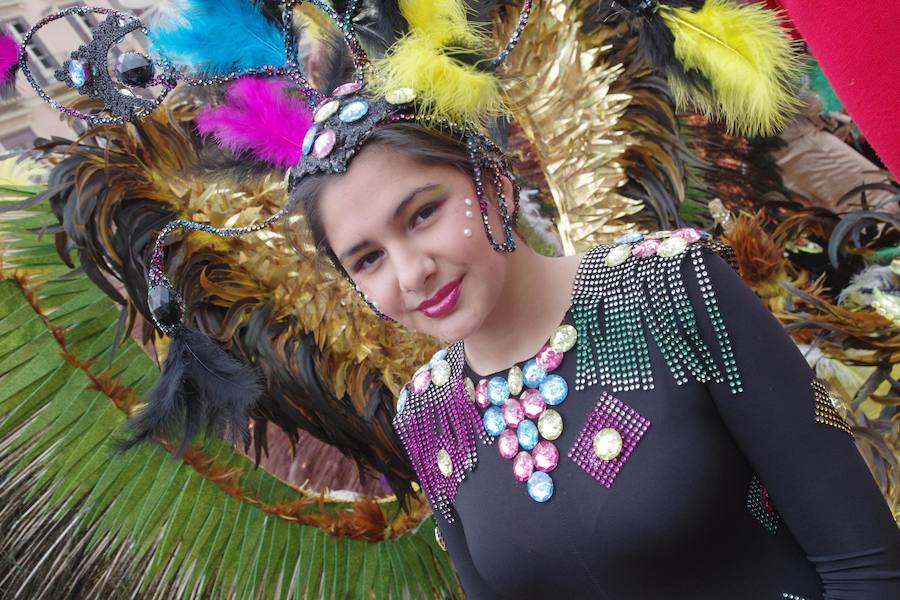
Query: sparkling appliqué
point(610, 412)
point(647, 287)
point(826, 409)
point(787, 596)
point(441, 421)
point(761, 506)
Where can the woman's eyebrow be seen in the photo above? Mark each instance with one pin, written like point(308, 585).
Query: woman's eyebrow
point(397, 212)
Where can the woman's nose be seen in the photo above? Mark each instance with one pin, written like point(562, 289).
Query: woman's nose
point(415, 271)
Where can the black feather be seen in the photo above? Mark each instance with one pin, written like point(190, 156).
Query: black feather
point(202, 388)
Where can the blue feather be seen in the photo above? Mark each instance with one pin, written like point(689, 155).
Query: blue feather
point(215, 37)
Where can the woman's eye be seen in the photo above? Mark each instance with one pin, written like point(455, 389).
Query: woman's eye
point(425, 213)
point(365, 261)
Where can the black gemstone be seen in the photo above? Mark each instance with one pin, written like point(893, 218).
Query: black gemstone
point(163, 303)
point(134, 69)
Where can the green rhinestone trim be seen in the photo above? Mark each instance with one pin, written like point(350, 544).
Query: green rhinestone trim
point(647, 294)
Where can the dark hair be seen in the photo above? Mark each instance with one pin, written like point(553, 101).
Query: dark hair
point(422, 144)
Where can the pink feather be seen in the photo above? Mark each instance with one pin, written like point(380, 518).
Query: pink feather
point(260, 118)
point(9, 58)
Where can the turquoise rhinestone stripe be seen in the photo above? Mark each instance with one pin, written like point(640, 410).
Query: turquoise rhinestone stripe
point(613, 303)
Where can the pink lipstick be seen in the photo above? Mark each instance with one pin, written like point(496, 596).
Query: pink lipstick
point(443, 302)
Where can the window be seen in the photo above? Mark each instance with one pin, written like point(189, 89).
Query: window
point(40, 61)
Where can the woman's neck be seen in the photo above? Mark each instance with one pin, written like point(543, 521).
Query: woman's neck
point(533, 302)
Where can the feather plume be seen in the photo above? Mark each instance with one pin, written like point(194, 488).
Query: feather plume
point(438, 58)
point(9, 59)
point(747, 58)
point(202, 388)
point(259, 118)
point(220, 36)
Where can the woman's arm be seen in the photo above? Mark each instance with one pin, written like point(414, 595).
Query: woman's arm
point(814, 473)
point(454, 538)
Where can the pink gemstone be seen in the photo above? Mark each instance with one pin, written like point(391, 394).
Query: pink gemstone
point(766, 499)
point(646, 248)
point(545, 456)
point(508, 444)
point(689, 234)
point(421, 381)
point(532, 403)
point(549, 358)
point(513, 413)
point(346, 89)
point(481, 397)
point(523, 466)
point(324, 144)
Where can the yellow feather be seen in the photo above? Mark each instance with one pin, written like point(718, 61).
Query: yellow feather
point(422, 60)
point(746, 56)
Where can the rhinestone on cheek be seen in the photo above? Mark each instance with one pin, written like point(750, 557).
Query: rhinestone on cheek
point(550, 424)
point(508, 444)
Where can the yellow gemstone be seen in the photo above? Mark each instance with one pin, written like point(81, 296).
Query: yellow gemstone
point(607, 443)
point(420, 370)
point(326, 110)
point(470, 389)
point(440, 539)
point(401, 96)
point(672, 246)
point(514, 380)
point(440, 373)
point(563, 339)
point(658, 235)
point(550, 424)
point(617, 255)
point(444, 463)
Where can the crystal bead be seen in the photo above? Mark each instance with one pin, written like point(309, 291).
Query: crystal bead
point(444, 463)
point(481, 397)
point(308, 139)
point(554, 389)
point(346, 89)
point(437, 356)
point(532, 403)
point(646, 248)
point(672, 246)
point(497, 391)
point(421, 382)
point(324, 144)
point(690, 234)
point(617, 255)
point(79, 73)
point(163, 304)
point(629, 238)
point(540, 486)
point(564, 338)
point(548, 358)
point(508, 444)
point(514, 380)
point(134, 69)
point(400, 96)
point(545, 455)
point(439, 539)
point(550, 424)
point(659, 235)
point(354, 111)
point(533, 374)
point(513, 413)
point(326, 110)
point(523, 466)
point(494, 423)
point(607, 443)
point(470, 389)
point(440, 373)
point(401, 400)
point(527, 433)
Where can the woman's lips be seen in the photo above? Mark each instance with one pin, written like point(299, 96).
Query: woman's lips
point(443, 302)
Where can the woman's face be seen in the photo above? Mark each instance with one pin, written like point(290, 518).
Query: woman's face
point(400, 227)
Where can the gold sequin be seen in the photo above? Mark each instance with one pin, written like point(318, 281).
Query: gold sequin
point(826, 411)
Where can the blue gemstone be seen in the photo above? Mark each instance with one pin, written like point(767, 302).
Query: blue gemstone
point(527, 432)
point(498, 391)
point(401, 401)
point(629, 238)
point(540, 486)
point(354, 111)
point(533, 374)
point(438, 356)
point(554, 389)
point(309, 139)
point(78, 73)
point(494, 423)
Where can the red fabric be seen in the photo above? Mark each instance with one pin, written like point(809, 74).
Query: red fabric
point(858, 47)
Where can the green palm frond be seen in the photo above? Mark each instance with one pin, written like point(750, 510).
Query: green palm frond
point(80, 521)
